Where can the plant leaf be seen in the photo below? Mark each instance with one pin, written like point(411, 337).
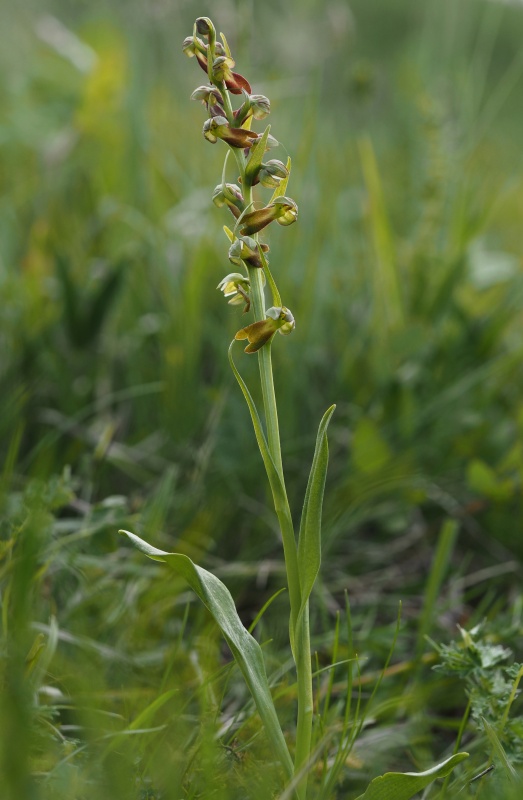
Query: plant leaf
point(245, 649)
point(309, 543)
point(279, 495)
point(102, 301)
point(276, 299)
point(281, 190)
point(404, 785)
point(229, 234)
point(255, 157)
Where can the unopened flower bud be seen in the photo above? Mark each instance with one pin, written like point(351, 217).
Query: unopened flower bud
point(205, 27)
point(272, 173)
point(260, 106)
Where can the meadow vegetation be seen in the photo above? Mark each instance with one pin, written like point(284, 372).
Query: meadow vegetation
point(119, 410)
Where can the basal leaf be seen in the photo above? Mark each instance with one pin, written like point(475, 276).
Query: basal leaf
point(404, 785)
point(309, 543)
point(245, 649)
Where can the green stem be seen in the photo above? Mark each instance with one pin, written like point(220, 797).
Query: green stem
point(305, 701)
point(301, 638)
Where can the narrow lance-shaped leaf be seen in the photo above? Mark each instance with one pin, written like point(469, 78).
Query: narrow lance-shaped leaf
point(256, 155)
point(279, 496)
point(245, 649)
point(276, 299)
point(281, 190)
point(309, 543)
point(404, 785)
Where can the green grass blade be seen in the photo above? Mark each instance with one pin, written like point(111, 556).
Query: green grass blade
point(440, 563)
point(387, 279)
point(404, 785)
point(141, 722)
point(245, 649)
point(513, 694)
point(264, 608)
point(499, 751)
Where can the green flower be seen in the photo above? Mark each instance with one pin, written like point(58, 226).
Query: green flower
point(205, 27)
point(193, 46)
point(222, 68)
point(272, 173)
point(254, 105)
point(229, 195)
point(245, 249)
point(282, 209)
point(218, 128)
point(259, 333)
point(236, 286)
point(208, 95)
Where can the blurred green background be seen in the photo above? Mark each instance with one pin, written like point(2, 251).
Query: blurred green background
point(404, 121)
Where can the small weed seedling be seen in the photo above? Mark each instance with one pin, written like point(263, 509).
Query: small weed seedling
point(302, 551)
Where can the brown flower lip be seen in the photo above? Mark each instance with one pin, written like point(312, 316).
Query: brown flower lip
point(259, 333)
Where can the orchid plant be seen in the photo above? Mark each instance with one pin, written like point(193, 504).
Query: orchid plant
point(302, 547)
